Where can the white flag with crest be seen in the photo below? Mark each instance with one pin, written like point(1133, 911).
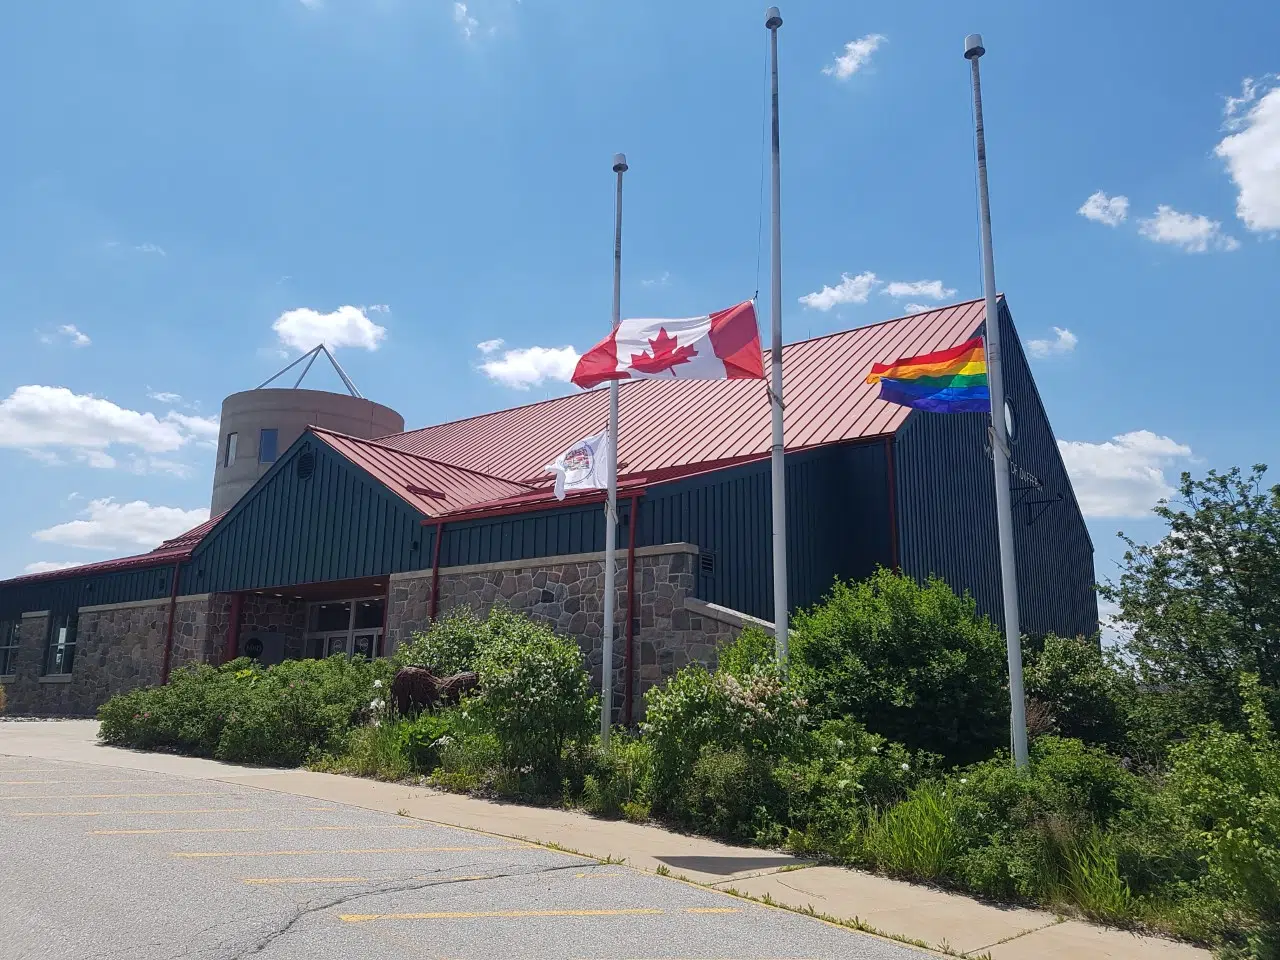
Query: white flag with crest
point(584, 466)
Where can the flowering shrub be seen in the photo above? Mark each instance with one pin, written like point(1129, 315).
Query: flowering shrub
point(535, 696)
point(452, 642)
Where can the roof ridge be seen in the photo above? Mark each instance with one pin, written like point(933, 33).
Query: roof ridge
point(418, 456)
point(627, 383)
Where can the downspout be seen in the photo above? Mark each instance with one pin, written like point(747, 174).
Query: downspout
point(893, 499)
point(435, 571)
point(233, 629)
point(629, 670)
point(168, 634)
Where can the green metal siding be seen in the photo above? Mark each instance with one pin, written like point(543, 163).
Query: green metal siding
point(337, 524)
point(947, 511)
point(122, 586)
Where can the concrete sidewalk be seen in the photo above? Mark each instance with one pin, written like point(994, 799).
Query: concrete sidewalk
point(943, 921)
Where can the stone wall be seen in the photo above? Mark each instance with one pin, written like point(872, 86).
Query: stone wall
point(672, 627)
point(119, 646)
point(263, 613)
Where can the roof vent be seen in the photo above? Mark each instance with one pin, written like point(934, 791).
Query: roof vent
point(306, 465)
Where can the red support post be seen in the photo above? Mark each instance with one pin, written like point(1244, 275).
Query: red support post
point(168, 635)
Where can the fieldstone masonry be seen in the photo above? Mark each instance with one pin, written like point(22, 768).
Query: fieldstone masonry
point(121, 646)
point(672, 627)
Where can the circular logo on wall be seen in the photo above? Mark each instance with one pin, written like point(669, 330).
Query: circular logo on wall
point(578, 464)
point(253, 648)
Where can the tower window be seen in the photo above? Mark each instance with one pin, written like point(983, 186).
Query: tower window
point(268, 445)
point(229, 457)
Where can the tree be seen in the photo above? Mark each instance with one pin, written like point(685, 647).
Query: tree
point(1085, 688)
point(1203, 605)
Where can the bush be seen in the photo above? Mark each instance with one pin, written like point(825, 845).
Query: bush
point(919, 838)
point(242, 712)
point(914, 663)
point(1086, 689)
point(619, 780)
point(535, 697)
point(751, 651)
point(1229, 784)
point(452, 642)
point(696, 712)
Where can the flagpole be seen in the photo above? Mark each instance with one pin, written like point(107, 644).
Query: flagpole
point(611, 503)
point(772, 21)
point(973, 50)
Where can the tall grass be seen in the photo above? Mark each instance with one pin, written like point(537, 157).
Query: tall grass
point(919, 838)
point(1092, 878)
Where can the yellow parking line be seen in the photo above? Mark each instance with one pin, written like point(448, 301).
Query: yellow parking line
point(372, 826)
point(524, 914)
point(115, 813)
point(317, 853)
point(262, 881)
point(103, 796)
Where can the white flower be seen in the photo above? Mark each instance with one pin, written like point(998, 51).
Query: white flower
point(875, 749)
point(377, 684)
point(906, 766)
point(964, 779)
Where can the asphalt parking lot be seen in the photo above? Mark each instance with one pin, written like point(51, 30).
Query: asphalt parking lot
point(102, 862)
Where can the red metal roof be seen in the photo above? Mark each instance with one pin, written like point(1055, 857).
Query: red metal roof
point(428, 485)
point(670, 426)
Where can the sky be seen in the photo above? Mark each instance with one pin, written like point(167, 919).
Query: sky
point(191, 194)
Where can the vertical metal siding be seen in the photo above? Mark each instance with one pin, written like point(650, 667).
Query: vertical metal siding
point(338, 524)
point(946, 510)
point(524, 536)
point(69, 594)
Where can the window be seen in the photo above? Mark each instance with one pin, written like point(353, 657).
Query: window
point(1010, 422)
point(9, 646)
point(230, 456)
point(268, 443)
point(62, 644)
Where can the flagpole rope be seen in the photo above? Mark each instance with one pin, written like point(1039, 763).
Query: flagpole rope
point(764, 147)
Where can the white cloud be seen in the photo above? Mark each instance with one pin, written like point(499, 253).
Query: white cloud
point(145, 465)
point(848, 290)
point(1103, 209)
point(47, 566)
point(1252, 152)
point(488, 346)
point(378, 308)
point(1064, 341)
point(531, 366)
point(1194, 234)
point(151, 248)
point(77, 338)
point(1124, 476)
point(311, 4)
point(933, 289)
point(466, 23)
point(347, 326)
point(201, 429)
point(163, 396)
point(856, 55)
point(662, 281)
point(917, 308)
point(56, 426)
point(108, 525)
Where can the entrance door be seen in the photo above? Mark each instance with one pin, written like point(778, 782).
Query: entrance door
point(365, 644)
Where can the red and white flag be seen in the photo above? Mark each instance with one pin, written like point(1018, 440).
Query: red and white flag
point(722, 346)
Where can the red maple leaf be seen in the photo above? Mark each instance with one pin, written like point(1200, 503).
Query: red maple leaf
point(666, 354)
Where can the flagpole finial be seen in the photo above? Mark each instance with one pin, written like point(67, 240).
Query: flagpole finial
point(620, 163)
point(973, 47)
point(772, 19)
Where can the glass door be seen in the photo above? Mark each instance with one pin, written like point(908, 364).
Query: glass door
point(350, 627)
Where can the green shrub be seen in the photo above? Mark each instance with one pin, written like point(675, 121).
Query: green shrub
point(695, 711)
point(619, 778)
point(1229, 784)
point(914, 663)
point(919, 838)
point(535, 697)
point(730, 793)
point(452, 642)
point(1087, 690)
point(751, 650)
point(243, 712)
point(1092, 879)
point(840, 774)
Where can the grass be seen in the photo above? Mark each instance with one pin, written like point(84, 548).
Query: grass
point(918, 838)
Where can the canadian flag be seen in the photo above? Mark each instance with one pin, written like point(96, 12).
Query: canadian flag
point(722, 346)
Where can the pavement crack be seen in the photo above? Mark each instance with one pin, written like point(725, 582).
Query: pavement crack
point(302, 912)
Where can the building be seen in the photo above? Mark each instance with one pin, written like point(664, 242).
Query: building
point(349, 544)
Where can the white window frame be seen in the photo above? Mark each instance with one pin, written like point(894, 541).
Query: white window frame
point(232, 447)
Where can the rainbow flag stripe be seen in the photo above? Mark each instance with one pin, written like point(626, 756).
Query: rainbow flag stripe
point(948, 381)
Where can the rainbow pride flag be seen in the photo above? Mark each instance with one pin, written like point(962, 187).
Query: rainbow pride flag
point(948, 381)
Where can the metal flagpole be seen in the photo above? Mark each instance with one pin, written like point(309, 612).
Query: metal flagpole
point(772, 21)
point(973, 49)
point(611, 503)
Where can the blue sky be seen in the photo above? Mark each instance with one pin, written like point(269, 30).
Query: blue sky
point(191, 191)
